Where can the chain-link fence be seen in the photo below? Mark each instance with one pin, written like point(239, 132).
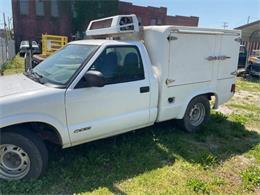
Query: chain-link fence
point(7, 51)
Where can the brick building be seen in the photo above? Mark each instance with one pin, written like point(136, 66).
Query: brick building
point(32, 18)
point(156, 15)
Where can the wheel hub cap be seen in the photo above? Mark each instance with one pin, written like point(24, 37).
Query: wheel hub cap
point(197, 114)
point(14, 162)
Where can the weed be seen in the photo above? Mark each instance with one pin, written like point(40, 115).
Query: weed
point(198, 185)
point(251, 177)
point(239, 119)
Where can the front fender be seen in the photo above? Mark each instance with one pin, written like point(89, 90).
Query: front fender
point(38, 117)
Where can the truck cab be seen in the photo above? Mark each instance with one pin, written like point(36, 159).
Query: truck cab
point(128, 96)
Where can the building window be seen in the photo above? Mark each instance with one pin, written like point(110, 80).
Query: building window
point(54, 8)
point(159, 21)
point(153, 21)
point(24, 7)
point(39, 7)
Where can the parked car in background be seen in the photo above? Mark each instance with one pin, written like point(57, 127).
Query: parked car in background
point(255, 55)
point(254, 68)
point(25, 45)
point(242, 60)
point(35, 47)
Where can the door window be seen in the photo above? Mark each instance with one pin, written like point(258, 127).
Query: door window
point(120, 64)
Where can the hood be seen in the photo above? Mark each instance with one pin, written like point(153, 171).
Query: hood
point(17, 84)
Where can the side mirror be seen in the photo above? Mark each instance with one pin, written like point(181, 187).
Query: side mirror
point(94, 79)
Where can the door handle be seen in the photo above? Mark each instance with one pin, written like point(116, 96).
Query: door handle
point(145, 89)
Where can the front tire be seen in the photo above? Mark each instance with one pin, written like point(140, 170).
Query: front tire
point(197, 114)
point(22, 156)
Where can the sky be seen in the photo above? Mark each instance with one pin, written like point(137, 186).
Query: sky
point(212, 13)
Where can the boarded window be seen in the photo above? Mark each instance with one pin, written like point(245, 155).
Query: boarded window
point(153, 22)
point(24, 7)
point(39, 7)
point(54, 8)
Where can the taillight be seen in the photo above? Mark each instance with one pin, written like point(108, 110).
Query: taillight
point(233, 88)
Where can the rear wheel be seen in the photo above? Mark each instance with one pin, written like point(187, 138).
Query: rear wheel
point(197, 113)
point(22, 156)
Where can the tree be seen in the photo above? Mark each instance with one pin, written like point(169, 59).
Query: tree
point(87, 10)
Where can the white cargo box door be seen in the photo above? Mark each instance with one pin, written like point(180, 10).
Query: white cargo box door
point(227, 52)
point(188, 57)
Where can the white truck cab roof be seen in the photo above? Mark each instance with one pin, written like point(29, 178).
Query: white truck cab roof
point(104, 42)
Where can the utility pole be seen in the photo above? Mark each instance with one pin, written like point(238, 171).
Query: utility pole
point(248, 19)
point(225, 25)
point(8, 28)
point(6, 38)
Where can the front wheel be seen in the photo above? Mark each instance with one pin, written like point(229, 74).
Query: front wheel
point(197, 113)
point(22, 156)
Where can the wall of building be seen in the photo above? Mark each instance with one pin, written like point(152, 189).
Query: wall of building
point(30, 25)
point(32, 18)
point(70, 17)
point(156, 15)
point(146, 15)
point(182, 20)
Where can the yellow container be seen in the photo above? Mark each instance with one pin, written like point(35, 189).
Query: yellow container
point(52, 43)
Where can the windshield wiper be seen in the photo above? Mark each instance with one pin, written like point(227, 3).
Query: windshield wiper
point(35, 76)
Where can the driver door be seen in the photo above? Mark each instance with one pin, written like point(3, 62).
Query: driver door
point(121, 105)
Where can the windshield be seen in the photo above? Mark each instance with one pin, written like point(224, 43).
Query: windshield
point(24, 44)
point(34, 43)
point(61, 66)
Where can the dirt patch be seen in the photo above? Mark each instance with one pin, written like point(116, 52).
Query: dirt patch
point(240, 97)
point(247, 97)
point(225, 110)
point(230, 170)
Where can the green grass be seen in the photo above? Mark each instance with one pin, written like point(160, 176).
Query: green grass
point(251, 177)
point(223, 158)
point(253, 85)
point(14, 66)
point(198, 185)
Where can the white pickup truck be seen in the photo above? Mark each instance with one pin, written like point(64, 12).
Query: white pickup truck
point(96, 88)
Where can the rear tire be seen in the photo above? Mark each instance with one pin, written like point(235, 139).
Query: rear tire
point(197, 114)
point(23, 155)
